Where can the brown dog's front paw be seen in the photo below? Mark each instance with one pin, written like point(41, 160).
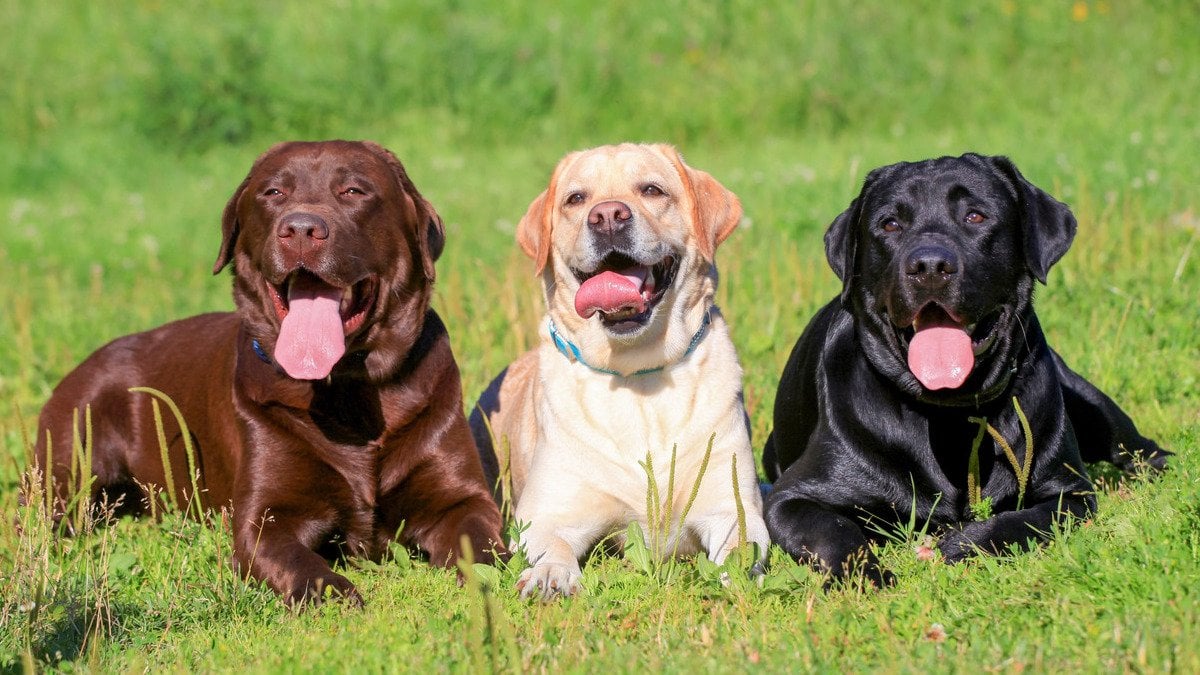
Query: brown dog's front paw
point(314, 591)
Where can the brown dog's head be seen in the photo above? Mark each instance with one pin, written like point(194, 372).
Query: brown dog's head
point(624, 238)
point(333, 253)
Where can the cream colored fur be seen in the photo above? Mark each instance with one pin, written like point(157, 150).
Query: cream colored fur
point(579, 437)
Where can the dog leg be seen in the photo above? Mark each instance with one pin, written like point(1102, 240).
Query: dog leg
point(996, 534)
point(1104, 431)
point(272, 551)
point(553, 549)
point(720, 534)
point(832, 543)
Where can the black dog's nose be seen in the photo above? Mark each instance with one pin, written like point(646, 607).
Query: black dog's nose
point(931, 265)
point(609, 217)
point(307, 224)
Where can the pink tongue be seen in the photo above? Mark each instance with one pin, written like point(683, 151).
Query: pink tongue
point(611, 292)
point(311, 339)
point(941, 357)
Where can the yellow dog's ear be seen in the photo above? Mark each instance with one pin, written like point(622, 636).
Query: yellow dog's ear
point(534, 230)
point(715, 210)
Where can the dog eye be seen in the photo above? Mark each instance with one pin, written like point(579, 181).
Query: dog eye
point(353, 191)
point(890, 225)
point(272, 192)
point(975, 217)
point(575, 198)
point(652, 190)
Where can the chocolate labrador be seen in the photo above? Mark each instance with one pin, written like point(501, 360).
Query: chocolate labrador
point(902, 394)
point(327, 410)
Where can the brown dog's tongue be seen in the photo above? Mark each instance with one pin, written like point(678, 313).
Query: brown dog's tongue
point(941, 357)
point(311, 339)
point(611, 292)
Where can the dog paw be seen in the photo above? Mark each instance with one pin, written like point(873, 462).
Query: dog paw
point(959, 542)
point(331, 587)
point(548, 581)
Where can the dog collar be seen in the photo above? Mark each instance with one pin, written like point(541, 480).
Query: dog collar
point(259, 350)
point(571, 351)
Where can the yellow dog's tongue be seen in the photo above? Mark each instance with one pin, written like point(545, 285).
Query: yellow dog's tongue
point(311, 339)
point(611, 292)
point(941, 357)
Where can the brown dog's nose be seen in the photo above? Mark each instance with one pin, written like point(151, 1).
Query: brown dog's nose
point(931, 265)
point(609, 217)
point(312, 227)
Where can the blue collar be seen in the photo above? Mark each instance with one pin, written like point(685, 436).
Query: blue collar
point(259, 350)
point(571, 351)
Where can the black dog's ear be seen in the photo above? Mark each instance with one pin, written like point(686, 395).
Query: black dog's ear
point(841, 243)
point(1047, 225)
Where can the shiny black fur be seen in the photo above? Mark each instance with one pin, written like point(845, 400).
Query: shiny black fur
point(858, 442)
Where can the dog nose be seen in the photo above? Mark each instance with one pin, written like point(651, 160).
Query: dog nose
point(609, 217)
point(931, 265)
point(306, 224)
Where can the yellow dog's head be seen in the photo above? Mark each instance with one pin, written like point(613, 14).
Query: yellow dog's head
point(624, 238)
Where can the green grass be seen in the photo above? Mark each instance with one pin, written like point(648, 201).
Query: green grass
point(124, 128)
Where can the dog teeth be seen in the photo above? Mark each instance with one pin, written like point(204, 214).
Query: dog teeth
point(621, 315)
point(347, 299)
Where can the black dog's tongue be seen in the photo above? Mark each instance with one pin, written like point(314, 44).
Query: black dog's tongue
point(940, 354)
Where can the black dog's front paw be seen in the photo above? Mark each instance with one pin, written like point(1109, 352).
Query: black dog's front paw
point(955, 546)
point(858, 570)
point(960, 541)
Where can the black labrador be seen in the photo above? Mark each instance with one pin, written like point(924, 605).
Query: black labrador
point(902, 394)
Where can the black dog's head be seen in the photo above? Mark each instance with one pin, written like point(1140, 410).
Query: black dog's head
point(937, 260)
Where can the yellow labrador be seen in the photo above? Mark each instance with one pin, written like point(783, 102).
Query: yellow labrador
point(635, 360)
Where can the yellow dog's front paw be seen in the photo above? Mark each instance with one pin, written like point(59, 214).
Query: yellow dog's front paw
point(548, 581)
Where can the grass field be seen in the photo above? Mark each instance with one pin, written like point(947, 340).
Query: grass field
point(124, 127)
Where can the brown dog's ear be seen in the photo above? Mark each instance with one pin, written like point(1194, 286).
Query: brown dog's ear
point(1047, 225)
point(432, 237)
point(230, 227)
point(716, 211)
point(430, 230)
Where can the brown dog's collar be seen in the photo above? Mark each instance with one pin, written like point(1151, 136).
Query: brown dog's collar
point(259, 351)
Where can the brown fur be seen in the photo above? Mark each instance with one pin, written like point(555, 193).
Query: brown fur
point(377, 452)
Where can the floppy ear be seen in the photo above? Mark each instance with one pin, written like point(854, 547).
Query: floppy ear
point(430, 230)
point(716, 211)
point(1047, 225)
point(230, 227)
point(533, 232)
point(841, 244)
point(431, 238)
